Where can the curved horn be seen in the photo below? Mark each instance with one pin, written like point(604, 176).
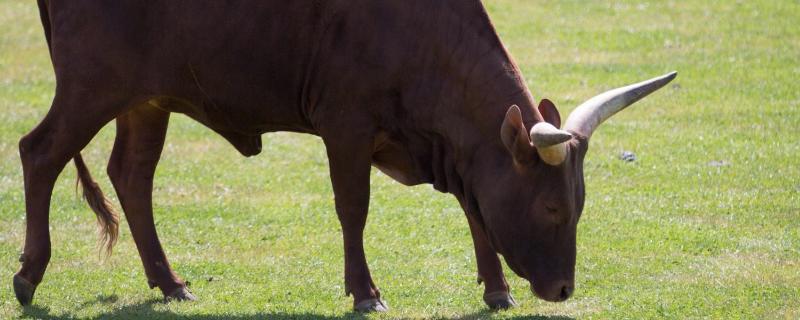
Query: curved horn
point(550, 142)
point(590, 114)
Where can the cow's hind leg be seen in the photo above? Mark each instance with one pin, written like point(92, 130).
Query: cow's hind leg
point(67, 128)
point(137, 149)
point(349, 155)
point(496, 292)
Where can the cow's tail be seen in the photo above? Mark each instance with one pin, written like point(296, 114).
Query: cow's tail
point(107, 217)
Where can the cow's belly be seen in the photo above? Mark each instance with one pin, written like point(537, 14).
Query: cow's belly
point(394, 160)
point(247, 142)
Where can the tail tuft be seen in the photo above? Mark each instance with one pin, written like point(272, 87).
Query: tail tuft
point(107, 217)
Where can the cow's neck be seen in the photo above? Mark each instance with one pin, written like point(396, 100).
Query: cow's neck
point(479, 82)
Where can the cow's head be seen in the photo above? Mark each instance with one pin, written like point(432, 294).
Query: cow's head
point(531, 211)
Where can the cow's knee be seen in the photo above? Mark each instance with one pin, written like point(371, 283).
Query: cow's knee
point(36, 156)
point(25, 147)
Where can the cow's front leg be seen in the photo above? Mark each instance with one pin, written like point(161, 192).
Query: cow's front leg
point(137, 149)
point(496, 291)
point(349, 155)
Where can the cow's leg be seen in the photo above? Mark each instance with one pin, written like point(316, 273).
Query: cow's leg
point(67, 128)
point(137, 149)
point(496, 291)
point(349, 156)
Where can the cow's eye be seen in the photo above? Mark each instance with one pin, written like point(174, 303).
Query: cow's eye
point(555, 214)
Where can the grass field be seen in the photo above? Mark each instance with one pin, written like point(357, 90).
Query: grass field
point(705, 224)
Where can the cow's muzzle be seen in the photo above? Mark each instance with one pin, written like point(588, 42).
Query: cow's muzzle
point(558, 291)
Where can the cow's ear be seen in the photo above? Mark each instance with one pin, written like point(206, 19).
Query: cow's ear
point(515, 137)
point(550, 113)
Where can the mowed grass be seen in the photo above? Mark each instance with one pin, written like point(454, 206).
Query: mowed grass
point(705, 224)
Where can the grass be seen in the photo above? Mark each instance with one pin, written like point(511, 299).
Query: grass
point(705, 224)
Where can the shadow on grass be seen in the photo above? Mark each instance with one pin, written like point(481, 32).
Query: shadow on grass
point(487, 314)
point(146, 310)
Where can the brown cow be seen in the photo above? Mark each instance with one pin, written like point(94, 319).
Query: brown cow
point(423, 90)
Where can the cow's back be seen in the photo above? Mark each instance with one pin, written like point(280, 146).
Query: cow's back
point(258, 66)
point(233, 62)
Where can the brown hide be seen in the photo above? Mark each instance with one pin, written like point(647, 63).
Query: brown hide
point(419, 89)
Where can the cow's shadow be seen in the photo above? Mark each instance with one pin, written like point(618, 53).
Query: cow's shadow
point(147, 310)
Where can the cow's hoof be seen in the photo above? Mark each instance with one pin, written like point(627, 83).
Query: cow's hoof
point(499, 300)
point(371, 305)
point(180, 294)
point(24, 290)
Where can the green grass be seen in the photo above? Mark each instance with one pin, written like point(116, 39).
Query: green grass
point(669, 236)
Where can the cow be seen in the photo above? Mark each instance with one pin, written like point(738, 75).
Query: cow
point(424, 91)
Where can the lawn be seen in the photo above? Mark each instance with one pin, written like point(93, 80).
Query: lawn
point(704, 224)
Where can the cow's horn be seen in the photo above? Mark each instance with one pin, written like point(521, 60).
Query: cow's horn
point(586, 117)
point(550, 142)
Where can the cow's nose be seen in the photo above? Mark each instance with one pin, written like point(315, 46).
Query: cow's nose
point(566, 292)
